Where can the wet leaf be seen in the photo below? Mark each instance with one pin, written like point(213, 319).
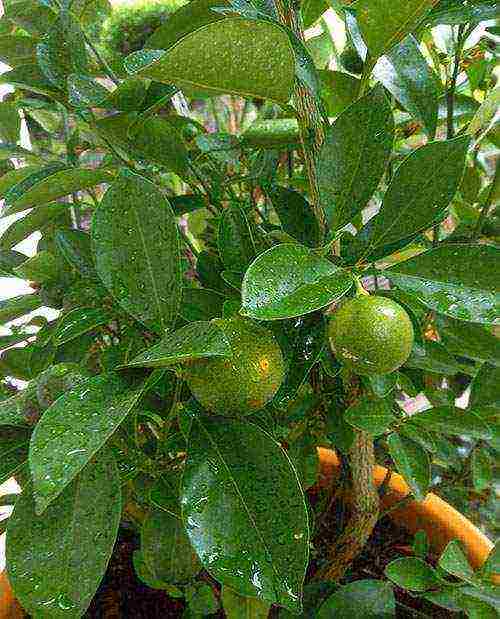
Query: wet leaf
point(407, 76)
point(291, 280)
point(76, 248)
point(201, 304)
point(79, 321)
point(239, 56)
point(260, 547)
point(469, 340)
point(166, 549)
point(73, 429)
point(13, 308)
point(412, 573)
point(459, 280)
point(296, 215)
point(454, 561)
point(13, 453)
point(241, 607)
point(354, 156)
point(412, 462)
point(432, 357)
point(55, 562)
point(452, 422)
point(37, 219)
point(137, 250)
point(42, 267)
point(420, 190)
point(383, 23)
point(50, 184)
point(338, 90)
point(372, 416)
point(196, 340)
point(371, 599)
point(235, 239)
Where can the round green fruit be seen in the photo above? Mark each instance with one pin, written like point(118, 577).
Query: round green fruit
point(371, 335)
point(244, 382)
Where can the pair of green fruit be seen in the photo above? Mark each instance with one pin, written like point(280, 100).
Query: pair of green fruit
point(368, 334)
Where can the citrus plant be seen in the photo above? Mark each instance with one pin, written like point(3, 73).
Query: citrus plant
point(227, 302)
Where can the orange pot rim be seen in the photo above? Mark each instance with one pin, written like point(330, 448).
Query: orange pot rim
point(442, 523)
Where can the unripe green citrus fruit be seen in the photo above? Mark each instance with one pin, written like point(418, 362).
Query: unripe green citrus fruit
point(371, 335)
point(244, 382)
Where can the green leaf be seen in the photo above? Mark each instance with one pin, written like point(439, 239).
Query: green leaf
point(79, 321)
point(492, 564)
point(452, 422)
point(13, 308)
point(85, 92)
point(420, 190)
point(469, 340)
point(12, 177)
point(482, 469)
point(420, 435)
point(137, 250)
point(291, 280)
point(432, 357)
point(33, 17)
point(16, 49)
point(201, 304)
point(53, 185)
point(42, 267)
point(236, 469)
point(75, 246)
point(338, 90)
point(459, 280)
point(187, 203)
point(166, 549)
point(412, 462)
point(235, 239)
point(73, 429)
point(242, 607)
point(371, 599)
point(10, 122)
point(13, 452)
point(384, 23)
point(421, 544)
point(296, 215)
point(372, 416)
point(412, 573)
point(485, 388)
point(353, 157)
point(455, 12)
point(485, 115)
point(239, 56)
point(454, 561)
point(8, 261)
point(63, 50)
point(29, 77)
point(407, 76)
point(196, 340)
point(36, 220)
point(55, 562)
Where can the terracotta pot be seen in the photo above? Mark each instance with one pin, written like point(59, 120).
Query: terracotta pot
point(440, 521)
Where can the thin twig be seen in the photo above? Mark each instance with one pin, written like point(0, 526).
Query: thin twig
point(450, 93)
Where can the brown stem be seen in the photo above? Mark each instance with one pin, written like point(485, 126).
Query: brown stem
point(311, 126)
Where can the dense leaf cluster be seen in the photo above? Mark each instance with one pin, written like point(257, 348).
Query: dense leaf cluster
point(197, 242)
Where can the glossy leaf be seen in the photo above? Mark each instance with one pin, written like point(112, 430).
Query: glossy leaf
point(242, 607)
point(197, 340)
point(371, 599)
point(12, 177)
point(338, 90)
point(13, 308)
point(166, 549)
point(55, 562)
point(290, 280)
point(260, 547)
point(235, 239)
point(372, 416)
point(234, 55)
point(201, 304)
point(384, 23)
point(412, 573)
point(296, 215)
point(353, 157)
point(407, 76)
point(72, 431)
point(76, 248)
point(84, 91)
point(452, 422)
point(79, 321)
point(62, 51)
point(412, 462)
point(485, 388)
point(420, 190)
point(13, 453)
point(455, 12)
point(485, 115)
point(432, 357)
point(444, 280)
point(454, 561)
point(469, 340)
point(142, 272)
point(36, 220)
point(54, 185)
